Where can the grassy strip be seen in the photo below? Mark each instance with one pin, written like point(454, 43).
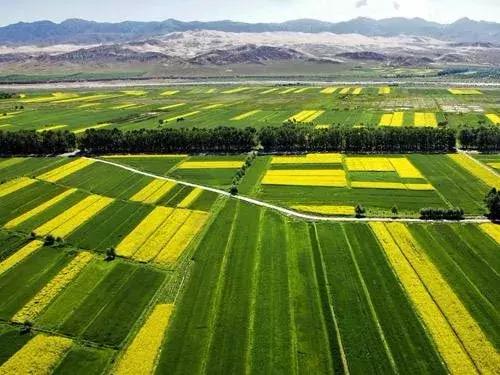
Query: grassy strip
point(82, 360)
point(273, 343)
point(10, 342)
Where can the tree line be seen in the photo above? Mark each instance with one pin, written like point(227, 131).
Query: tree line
point(285, 138)
point(484, 138)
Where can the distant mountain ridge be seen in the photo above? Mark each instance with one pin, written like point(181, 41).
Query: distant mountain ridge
point(89, 32)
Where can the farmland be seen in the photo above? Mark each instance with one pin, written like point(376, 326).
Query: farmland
point(241, 106)
point(136, 263)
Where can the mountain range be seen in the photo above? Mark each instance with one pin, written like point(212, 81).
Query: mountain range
point(77, 31)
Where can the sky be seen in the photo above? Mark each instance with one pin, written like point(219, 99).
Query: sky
point(444, 11)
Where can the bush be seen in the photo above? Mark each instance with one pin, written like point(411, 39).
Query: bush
point(442, 214)
point(360, 211)
point(492, 201)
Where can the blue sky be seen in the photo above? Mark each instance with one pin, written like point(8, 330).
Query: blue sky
point(245, 10)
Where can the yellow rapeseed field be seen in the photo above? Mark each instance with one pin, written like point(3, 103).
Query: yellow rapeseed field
point(140, 356)
point(170, 106)
point(303, 89)
point(135, 239)
point(386, 119)
point(345, 90)
point(65, 170)
point(182, 238)
point(306, 116)
point(190, 198)
point(184, 115)
point(384, 90)
point(213, 106)
point(135, 92)
point(153, 191)
point(246, 115)
point(307, 177)
point(389, 185)
point(49, 292)
point(404, 168)
point(169, 92)
point(324, 158)
point(270, 90)
point(369, 164)
point(392, 119)
point(288, 91)
point(357, 91)
point(51, 127)
point(98, 126)
point(447, 343)
point(329, 90)
point(20, 255)
point(12, 186)
point(494, 118)
point(425, 119)
point(325, 209)
point(494, 165)
point(67, 222)
point(157, 241)
point(479, 348)
point(39, 356)
point(231, 164)
point(492, 230)
point(125, 106)
point(476, 169)
point(465, 91)
point(35, 211)
point(236, 90)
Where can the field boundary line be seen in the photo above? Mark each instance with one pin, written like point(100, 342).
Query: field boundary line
point(482, 165)
point(283, 210)
point(343, 358)
point(370, 303)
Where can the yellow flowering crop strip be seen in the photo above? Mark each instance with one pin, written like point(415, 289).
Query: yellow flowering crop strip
point(446, 341)
point(170, 106)
point(124, 106)
point(314, 116)
point(135, 92)
point(345, 90)
point(140, 356)
point(495, 119)
point(482, 352)
point(270, 90)
point(288, 91)
point(12, 186)
point(35, 211)
point(369, 164)
point(135, 239)
point(20, 255)
point(494, 165)
point(182, 238)
point(397, 119)
point(169, 92)
point(329, 90)
point(39, 356)
point(88, 98)
point(6, 163)
point(476, 169)
point(420, 187)
point(386, 119)
point(425, 119)
point(49, 292)
point(246, 115)
point(213, 106)
point(357, 91)
point(325, 209)
point(307, 177)
point(325, 158)
point(153, 191)
point(88, 105)
point(67, 222)
point(303, 89)
point(384, 90)
point(301, 116)
point(190, 198)
point(183, 116)
point(52, 127)
point(233, 164)
point(465, 92)
point(236, 90)
point(98, 126)
point(65, 170)
point(492, 230)
point(404, 168)
point(157, 241)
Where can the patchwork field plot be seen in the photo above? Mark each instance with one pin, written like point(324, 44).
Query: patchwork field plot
point(202, 283)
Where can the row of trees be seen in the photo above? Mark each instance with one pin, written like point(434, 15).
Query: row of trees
point(39, 143)
point(285, 138)
point(442, 214)
point(298, 137)
point(484, 138)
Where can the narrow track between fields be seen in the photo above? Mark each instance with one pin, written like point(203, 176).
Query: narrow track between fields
point(283, 210)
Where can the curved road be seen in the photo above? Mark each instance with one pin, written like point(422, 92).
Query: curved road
point(280, 209)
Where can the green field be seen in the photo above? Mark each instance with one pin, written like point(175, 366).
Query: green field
point(250, 289)
point(257, 106)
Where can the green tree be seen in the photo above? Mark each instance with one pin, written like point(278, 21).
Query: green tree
point(492, 201)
